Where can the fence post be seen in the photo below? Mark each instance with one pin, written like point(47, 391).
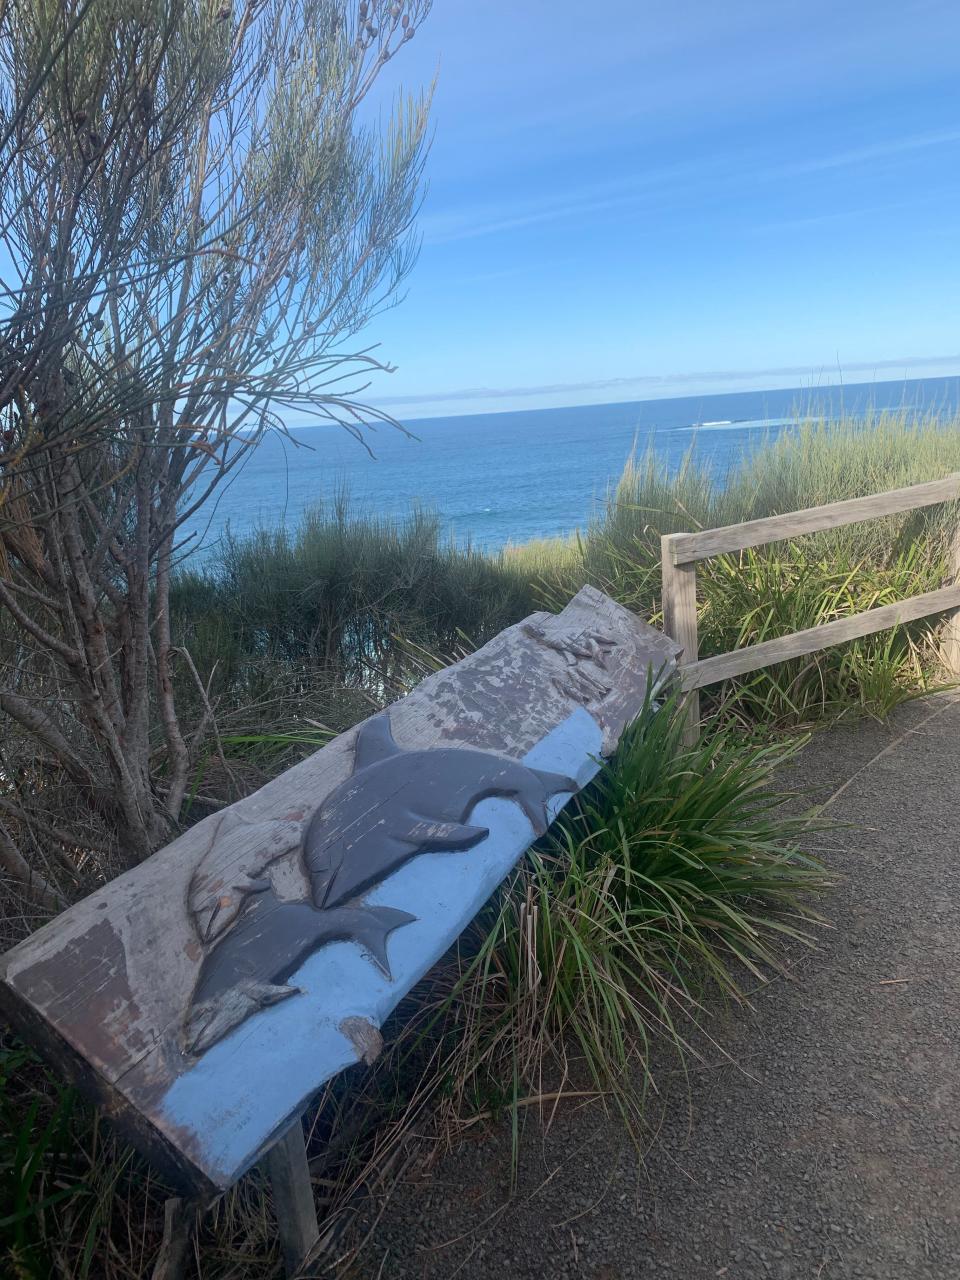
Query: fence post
point(950, 636)
point(679, 596)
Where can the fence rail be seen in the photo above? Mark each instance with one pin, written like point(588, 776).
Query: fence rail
point(680, 553)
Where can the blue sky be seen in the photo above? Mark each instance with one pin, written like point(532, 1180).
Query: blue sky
point(633, 200)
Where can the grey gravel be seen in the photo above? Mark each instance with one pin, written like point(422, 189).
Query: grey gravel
point(828, 1147)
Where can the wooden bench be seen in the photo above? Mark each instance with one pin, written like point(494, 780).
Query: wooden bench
point(204, 997)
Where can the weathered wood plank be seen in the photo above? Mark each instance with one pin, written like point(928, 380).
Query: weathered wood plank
point(679, 600)
point(127, 991)
point(289, 1174)
point(179, 1219)
point(950, 638)
point(685, 548)
point(737, 663)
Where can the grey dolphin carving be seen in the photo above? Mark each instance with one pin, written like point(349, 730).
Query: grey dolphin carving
point(395, 805)
point(436, 790)
point(269, 942)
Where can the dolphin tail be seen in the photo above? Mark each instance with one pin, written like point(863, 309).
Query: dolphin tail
point(535, 807)
point(371, 926)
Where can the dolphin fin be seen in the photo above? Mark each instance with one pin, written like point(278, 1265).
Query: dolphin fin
point(554, 783)
point(371, 928)
point(374, 742)
point(536, 811)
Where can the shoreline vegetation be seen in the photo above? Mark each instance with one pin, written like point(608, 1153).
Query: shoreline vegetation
point(346, 610)
point(678, 879)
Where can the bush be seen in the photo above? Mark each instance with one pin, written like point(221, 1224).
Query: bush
point(334, 613)
point(339, 593)
point(676, 872)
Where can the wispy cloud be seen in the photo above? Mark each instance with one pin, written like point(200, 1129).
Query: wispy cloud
point(884, 150)
point(700, 179)
point(779, 225)
point(665, 381)
point(466, 221)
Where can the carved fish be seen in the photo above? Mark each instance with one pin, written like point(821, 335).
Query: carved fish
point(355, 839)
point(590, 646)
point(272, 938)
point(395, 805)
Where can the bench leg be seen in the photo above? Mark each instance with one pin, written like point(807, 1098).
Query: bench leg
point(179, 1217)
point(286, 1166)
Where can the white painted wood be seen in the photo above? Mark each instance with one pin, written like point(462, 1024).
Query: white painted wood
point(685, 548)
point(679, 602)
point(737, 663)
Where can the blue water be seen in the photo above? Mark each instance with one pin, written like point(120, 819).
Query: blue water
point(495, 478)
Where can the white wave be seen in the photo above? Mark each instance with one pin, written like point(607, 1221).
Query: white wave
point(743, 424)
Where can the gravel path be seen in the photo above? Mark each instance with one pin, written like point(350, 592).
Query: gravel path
point(829, 1147)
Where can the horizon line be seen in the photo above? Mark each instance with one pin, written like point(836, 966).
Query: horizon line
point(833, 376)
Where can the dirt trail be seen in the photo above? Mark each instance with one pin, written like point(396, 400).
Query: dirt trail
point(829, 1148)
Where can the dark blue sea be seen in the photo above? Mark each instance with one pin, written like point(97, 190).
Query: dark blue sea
point(495, 478)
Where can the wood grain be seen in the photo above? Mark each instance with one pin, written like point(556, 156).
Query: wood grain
point(685, 548)
point(679, 600)
point(103, 988)
point(286, 1166)
point(179, 1219)
point(725, 665)
point(950, 636)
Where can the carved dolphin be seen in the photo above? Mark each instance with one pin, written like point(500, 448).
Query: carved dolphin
point(395, 805)
point(400, 803)
point(269, 942)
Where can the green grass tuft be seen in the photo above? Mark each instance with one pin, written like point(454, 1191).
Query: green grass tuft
point(678, 871)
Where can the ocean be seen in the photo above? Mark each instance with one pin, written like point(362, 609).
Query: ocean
point(495, 478)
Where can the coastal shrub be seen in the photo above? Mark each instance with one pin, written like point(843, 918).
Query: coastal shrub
point(322, 623)
point(222, 214)
point(677, 872)
point(341, 592)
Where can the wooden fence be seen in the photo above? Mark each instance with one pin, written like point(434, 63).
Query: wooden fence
point(681, 551)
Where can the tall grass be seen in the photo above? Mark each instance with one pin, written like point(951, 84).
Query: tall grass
point(676, 877)
point(675, 873)
point(324, 623)
point(339, 591)
point(771, 591)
